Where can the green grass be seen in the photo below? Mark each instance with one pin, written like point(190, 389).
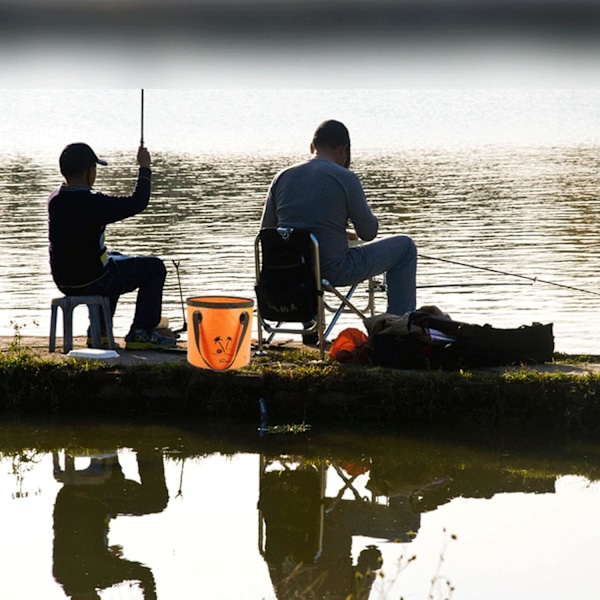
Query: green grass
point(302, 389)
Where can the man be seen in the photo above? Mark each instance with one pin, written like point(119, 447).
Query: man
point(79, 260)
point(321, 194)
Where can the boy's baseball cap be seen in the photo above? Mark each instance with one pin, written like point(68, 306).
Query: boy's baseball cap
point(78, 157)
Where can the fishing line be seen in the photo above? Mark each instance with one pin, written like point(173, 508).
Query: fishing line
point(497, 271)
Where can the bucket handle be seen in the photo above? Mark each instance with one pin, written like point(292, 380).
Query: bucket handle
point(200, 342)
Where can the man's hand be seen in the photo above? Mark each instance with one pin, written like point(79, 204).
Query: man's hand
point(351, 235)
point(143, 157)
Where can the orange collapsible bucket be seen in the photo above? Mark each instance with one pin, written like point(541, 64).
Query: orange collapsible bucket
point(219, 336)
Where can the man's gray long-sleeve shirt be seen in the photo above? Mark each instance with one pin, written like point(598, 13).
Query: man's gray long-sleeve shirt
point(323, 197)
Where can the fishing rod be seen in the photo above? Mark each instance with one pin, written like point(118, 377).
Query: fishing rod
point(184, 326)
point(499, 272)
point(483, 284)
point(142, 119)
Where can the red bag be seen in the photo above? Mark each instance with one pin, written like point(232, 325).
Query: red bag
point(351, 347)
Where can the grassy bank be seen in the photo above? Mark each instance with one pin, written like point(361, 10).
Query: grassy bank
point(298, 389)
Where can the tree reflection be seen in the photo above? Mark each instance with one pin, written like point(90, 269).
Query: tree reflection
point(83, 562)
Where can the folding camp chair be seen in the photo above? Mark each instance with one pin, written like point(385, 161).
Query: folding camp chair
point(289, 287)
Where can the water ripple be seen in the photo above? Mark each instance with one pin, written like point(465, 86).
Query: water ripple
point(523, 211)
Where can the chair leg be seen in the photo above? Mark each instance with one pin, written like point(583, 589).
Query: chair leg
point(321, 325)
point(67, 326)
point(94, 312)
point(108, 322)
point(259, 330)
point(345, 303)
point(53, 317)
point(371, 294)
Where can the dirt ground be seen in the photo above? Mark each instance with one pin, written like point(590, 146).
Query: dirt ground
point(39, 345)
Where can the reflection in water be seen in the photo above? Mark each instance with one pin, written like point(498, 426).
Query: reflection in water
point(423, 492)
point(83, 563)
point(318, 516)
point(308, 536)
point(523, 210)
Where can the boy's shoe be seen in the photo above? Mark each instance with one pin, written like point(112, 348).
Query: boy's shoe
point(141, 339)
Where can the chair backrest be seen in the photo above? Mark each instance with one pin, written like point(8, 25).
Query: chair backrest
point(288, 278)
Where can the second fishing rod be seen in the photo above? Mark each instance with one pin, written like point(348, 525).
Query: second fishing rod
point(532, 280)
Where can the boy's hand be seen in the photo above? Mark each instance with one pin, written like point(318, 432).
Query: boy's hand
point(143, 157)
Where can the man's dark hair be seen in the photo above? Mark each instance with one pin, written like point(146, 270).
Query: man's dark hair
point(330, 134)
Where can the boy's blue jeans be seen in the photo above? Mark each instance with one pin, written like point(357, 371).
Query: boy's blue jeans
point(125, 274)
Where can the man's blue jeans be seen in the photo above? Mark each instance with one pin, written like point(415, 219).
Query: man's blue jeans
point(396, 256)
point(125, 274)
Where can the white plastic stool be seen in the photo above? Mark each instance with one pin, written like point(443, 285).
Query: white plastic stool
point(94, 304)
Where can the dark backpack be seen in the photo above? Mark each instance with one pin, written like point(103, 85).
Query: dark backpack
point(286, 288)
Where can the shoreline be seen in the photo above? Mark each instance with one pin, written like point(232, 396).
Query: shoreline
point(561, 397)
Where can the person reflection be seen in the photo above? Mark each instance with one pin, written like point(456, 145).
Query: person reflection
point(83, 563)
point(308, 537)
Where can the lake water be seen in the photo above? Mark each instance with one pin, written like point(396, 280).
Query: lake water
point(187, 510)
point(498, 179)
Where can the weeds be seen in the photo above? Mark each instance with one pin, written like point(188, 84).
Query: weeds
point(288, 428)
point(440, 588)
point(15, 348)
point(440, 582)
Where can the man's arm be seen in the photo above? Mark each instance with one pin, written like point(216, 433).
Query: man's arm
point(364, 221)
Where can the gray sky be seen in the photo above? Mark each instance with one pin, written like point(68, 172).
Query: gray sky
point(393, 43)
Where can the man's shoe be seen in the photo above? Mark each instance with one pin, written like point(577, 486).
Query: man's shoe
point(310, 339)
point(103, 343)
point(140, 339)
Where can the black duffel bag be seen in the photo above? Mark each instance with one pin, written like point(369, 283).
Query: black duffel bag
point(487, 346)
point(473, 345)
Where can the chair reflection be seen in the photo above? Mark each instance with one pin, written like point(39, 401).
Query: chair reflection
point(83, 562)
point(306, 537)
